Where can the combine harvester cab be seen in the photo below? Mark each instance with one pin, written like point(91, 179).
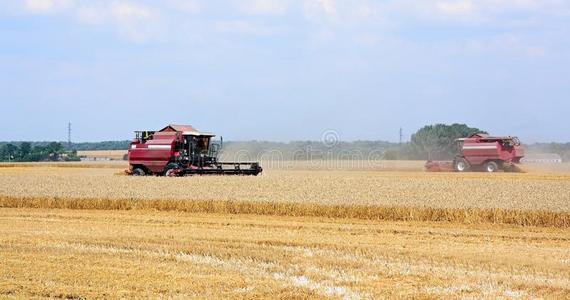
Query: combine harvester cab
point(179, 150)
point(481, 152)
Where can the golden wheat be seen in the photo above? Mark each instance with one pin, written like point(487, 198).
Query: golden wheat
point(526, 199)
point(302, 232)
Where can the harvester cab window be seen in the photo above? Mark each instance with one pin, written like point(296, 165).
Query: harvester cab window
point(197, 145)
point(202, 144)
point(508, 143)
point(178, 146)
point(189, 144)
point(143, 136)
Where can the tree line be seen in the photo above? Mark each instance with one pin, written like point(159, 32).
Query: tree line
point(84, 146)
point(25, 151)
point(435, 142)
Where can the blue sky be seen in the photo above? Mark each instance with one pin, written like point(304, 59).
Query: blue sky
point(283, 70)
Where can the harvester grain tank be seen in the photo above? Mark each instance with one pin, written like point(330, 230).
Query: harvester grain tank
point(481, 152)
point(178, 150)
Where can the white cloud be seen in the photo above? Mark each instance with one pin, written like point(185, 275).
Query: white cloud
point(134, 21)
point(188, 6)
point(46, 6)
point(263, 7)
point(514, 4)
point(472, 9)
point(328, 6)
point(320, 9)
point(92, 14)
point(139, 20)
point(125, 11)
point(365, 10)
point(464, 7)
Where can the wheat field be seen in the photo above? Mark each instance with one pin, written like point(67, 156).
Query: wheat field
point(81, 254)
point(541, 199)
point(112, 154)
point(350, 232)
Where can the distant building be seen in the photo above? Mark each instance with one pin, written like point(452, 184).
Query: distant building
point(95, 158)
point(541, 158)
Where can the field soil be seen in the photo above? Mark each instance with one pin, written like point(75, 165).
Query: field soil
point(139, 254)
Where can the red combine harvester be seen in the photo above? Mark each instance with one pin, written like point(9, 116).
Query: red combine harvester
point(178, 150)
point(481, 152)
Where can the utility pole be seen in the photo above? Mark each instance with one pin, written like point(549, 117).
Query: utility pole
point(69, 135)
point(401, 135)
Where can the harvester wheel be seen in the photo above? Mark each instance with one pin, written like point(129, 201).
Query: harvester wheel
point(461, 165)
point(491, 167)
point(172, 170)
point(138, 172)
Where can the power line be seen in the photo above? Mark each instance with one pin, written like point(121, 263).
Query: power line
point(69, 135)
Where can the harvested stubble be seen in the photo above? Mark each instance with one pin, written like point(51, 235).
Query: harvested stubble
point(78, 254)
point(523, 199)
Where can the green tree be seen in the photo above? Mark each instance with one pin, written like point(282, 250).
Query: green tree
point(54, 150)
point(3, 153)
point(72, 156)
point(9, 152)
point(25, 150)
point(38, 153)
point(438, 141)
